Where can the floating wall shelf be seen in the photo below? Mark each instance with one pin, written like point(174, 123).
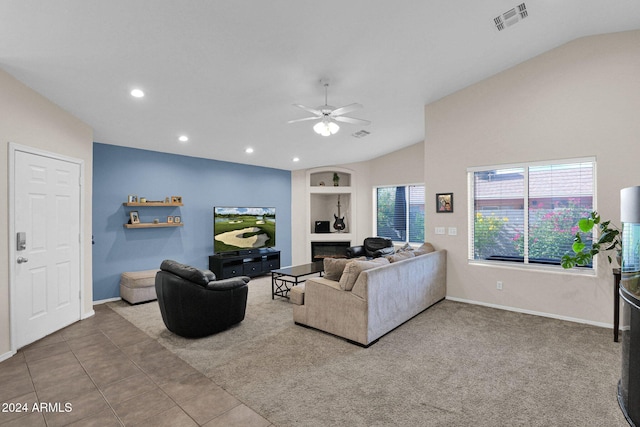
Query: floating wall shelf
point(151, 204)
point(153, 225)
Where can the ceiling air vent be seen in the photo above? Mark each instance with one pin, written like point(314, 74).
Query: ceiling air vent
point(511, 17)
point(360, 134)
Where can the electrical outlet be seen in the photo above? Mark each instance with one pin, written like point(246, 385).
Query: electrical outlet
point(453, 231)
point(499, 285)
point(439, 230)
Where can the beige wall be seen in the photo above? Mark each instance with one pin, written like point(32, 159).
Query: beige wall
point(580, 99)
point(401, 167)
point(27, 118)
point(404, 166)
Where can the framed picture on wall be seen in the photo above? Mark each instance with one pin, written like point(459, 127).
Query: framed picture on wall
point(444, 202)
point(170, 219)
point(177, 219)
point(132, 198)
point(176, 199)
point(134, 217)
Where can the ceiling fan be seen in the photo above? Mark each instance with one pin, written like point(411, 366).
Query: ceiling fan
point(329, 115)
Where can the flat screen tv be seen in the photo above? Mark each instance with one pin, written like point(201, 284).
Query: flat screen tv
point(242, 228)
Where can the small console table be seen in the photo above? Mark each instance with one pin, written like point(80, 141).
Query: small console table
point(250, 263)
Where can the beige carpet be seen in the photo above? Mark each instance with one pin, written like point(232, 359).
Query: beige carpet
point(453, 365)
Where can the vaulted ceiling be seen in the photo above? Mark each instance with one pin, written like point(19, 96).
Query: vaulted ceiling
point(227, 73)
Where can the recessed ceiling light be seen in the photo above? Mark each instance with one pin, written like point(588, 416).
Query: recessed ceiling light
point(249, 150)
point(137, 93)
point(183, 138)
point(296, 159)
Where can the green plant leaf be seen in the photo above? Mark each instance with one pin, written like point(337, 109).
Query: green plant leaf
point(612, 246)
point(578, 247)
point(567, 262)
point(608, 236)
point(586, 224)
point(583, 258)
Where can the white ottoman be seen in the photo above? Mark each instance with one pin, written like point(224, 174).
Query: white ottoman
point(138, 286)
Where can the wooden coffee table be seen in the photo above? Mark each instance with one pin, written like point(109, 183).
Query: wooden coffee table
point(283, 279)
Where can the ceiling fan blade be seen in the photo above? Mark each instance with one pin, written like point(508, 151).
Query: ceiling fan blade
point(346, 109)
point(303, 120)
point(352, 120)
point(309, 109)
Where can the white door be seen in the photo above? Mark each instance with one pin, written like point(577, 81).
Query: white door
point(46, 223)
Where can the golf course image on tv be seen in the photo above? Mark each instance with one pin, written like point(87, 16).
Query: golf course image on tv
point(236, 228)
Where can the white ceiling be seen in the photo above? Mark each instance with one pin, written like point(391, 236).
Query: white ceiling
point(226, 73)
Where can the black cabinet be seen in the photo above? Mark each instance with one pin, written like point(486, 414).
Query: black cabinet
point(249, 263)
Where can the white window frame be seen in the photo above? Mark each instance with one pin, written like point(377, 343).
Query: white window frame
point(374, 205)
point(524, 165)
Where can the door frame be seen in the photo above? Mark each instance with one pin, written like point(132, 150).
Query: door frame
point(13, 148)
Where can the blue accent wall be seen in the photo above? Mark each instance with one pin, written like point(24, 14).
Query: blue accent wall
point(202, 183)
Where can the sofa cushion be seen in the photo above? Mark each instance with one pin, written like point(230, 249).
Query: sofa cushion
point(400, 256)
point(187, 272)
point(353, 269)
point(333, 267)
point(296, 294)
point(210, 275)
point(426, 248)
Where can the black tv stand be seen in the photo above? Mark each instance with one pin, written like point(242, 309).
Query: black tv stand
point(250, 262)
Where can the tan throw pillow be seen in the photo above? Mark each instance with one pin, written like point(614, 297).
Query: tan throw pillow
point(354, 268)
point(333, 267)
point(400, 256)
point(426, 248)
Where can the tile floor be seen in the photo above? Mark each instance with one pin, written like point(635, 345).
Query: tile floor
point(103, 371)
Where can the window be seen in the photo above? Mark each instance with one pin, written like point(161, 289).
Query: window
point(528, 212)
point(400, 213)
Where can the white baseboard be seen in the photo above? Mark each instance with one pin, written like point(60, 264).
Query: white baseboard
point(7, 355)
point(87, 315)
point(535, 313)
point(103, 301)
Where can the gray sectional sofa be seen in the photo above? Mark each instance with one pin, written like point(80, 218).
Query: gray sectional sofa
point(382, 297)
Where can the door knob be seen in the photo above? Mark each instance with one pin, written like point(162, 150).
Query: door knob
point(22, 260)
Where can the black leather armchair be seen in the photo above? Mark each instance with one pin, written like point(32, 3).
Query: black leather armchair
point(373, 247)
point(194, 304)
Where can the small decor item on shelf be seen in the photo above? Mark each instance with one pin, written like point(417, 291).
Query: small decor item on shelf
point(170, 219)
point(177, 219)
point(143, 200)
point(167, 200)
point(132, 198)
point(176, 199)
point(156, 221)
point(336, 179)
point(134, 218)
point(321, 183)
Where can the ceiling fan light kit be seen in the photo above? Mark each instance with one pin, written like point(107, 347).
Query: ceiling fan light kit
point(329, 115)
point(326, 128)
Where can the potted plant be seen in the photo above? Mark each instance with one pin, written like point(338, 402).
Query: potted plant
point(608, 240)
point(336, 179)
